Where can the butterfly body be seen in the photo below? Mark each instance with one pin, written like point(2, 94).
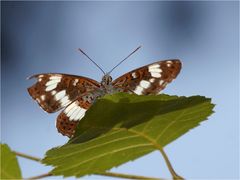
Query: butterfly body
point(76, 94)
point(106, 86)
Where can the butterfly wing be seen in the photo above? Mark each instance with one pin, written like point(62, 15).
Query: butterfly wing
point(55, 91)
point(149, 79)
point(68, 119)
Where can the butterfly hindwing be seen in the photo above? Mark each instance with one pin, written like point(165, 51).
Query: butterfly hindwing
point(149, 79)
point(55, 91)
point(68, 119)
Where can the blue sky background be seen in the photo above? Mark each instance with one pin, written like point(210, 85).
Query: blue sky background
point(40, 37)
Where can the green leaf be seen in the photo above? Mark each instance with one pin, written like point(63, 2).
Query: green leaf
point(123, 127)
point(9, 164)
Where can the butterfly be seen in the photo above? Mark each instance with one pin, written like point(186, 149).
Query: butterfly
point(74, 95)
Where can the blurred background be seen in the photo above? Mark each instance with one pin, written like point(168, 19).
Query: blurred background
point(41, 37)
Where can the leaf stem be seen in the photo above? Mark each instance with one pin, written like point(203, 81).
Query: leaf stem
point(126, 176)
point(170, 168)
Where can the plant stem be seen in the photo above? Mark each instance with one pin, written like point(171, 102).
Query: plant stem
point(110, 174)
point(170, 168)
point(175, 176)
point(126, 176)
point(27, 156)
point(40, 176)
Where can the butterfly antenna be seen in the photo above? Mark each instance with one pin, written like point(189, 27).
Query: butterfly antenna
point(125, 58)
point(91, 60)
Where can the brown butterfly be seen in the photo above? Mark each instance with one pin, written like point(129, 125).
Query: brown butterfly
point(76, 94)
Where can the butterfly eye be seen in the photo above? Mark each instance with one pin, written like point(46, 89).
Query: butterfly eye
point(109, 79)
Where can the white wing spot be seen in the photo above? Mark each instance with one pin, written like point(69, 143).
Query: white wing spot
point(155, 74)
point(145, 84)
point(71, 110)
point(43, 97)
point(161, 82)
point(75, 82)
point(152, 80)
point(168, 65)
point(134, 74)
point(51, 87)
point(77, 114)
point(80, 114)
point(64, 101)
point(60, 95)
point(38, 100)
point(56, 77)
point(40, 79)
point(170, 62)
point(70, 107)
point(155, 70)
point(138, 90)
point(74, 113)
point(53, 92)
point(154, 66)
point(54, 81)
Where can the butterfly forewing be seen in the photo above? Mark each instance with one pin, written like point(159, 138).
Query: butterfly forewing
point(149, 79)
point(56, 91)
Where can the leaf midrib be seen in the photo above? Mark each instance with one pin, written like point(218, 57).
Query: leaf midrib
point(151, 141)
point(107, 153)
point(95, 146)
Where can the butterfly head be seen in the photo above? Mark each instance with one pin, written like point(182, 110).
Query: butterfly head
point(106, 79)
